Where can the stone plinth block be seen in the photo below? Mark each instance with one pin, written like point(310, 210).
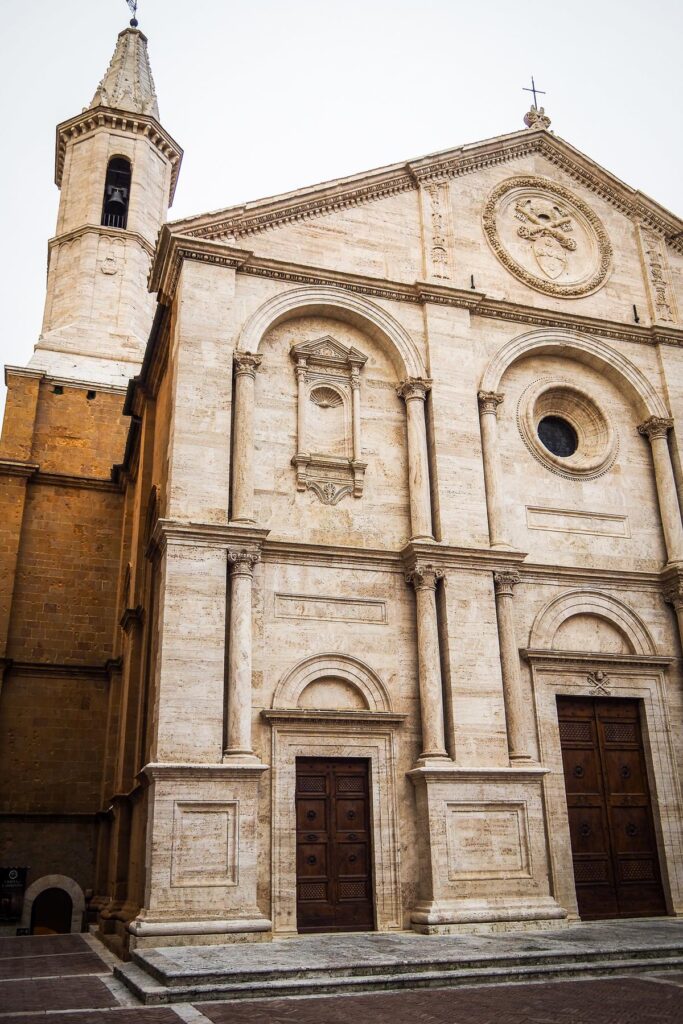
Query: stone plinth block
point(202, 850)
point(482, 833)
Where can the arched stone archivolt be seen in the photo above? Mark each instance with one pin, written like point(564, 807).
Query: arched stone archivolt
point(337, 304)
point(55, 882)
point(585, 349)
point(333, 667)
point(394, 339)
point(602, 606)
point(626, 376)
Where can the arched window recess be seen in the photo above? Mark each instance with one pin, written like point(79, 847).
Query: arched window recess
point(116, 193)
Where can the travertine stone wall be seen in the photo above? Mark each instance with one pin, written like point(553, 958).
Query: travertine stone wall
point(201, 368)
point(381, 517)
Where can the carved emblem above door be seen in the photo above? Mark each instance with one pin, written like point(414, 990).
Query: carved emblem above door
point(547, 237)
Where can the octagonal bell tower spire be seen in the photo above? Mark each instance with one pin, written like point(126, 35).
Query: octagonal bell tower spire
point(117, 169)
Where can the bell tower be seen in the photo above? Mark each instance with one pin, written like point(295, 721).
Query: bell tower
point(117, 170)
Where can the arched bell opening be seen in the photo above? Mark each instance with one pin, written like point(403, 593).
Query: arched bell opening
point(116, 193)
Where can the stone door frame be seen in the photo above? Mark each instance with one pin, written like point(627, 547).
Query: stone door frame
point(330, 735)
point(69, 885)
point(637, 677)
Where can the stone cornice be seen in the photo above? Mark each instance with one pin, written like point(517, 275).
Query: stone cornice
point(88, 483)
point(230, 537)
point(623, 579)
point(23, 371)
point(179, 772)
point(341, 717)
point(41, 669)
point(173, 249)
point(456, 773)
point(236, 222)
point(101, 229)
point(105, 117)
point(443, 556)
point(15, 467)
point(560, 659)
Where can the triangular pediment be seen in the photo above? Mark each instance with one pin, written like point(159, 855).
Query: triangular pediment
point(328, 351)
point(236, 223)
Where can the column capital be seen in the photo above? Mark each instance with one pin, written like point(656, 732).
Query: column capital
point(414, 387)
point(489, 402)
point(505, 581)
point(424, 575)
point(672, 590)
point(242, 563)
point(246, 363)
point(656, 426)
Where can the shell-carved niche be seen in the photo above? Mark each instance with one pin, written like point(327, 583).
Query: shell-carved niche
point(328, 456)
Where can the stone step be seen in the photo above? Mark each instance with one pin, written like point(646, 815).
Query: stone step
point(271, 985)
point(168, 973)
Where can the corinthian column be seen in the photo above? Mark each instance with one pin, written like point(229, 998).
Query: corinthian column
point(414, 392)
point(673, 595)
point(488, 418)
point(246, 364)
point(423, 578)
point(515, 712)
point(656, 428)
point(241, 564)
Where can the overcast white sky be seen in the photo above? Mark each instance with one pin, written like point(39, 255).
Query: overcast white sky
point(266, 96)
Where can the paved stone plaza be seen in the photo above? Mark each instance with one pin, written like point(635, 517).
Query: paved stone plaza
point(71, 977)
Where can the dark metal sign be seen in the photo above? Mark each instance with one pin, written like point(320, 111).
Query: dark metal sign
point(12, 886)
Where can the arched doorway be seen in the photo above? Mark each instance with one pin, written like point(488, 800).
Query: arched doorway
point(51, 912)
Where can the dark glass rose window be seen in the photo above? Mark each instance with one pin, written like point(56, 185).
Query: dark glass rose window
point(558, 436)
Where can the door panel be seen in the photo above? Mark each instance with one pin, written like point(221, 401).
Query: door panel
point(616, 868)
point(334, 882)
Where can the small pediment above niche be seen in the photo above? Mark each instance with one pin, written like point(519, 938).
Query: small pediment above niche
point(327, 352)
point(328, 458)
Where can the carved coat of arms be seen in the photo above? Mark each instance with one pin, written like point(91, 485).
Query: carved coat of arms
point(547, 227)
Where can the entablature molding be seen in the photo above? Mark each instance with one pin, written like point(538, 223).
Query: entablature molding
point(95, 118)
point(207, 535)
point(563, 575)
point(457, 773)
point(559, 660)
point(173, 249)
point(101, 229)
point(17, 467)
point(360, 718)
point(159, 771)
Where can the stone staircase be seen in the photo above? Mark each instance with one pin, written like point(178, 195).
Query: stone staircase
point(366, 962)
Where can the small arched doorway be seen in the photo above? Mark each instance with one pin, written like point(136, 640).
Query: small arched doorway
point(51, 912)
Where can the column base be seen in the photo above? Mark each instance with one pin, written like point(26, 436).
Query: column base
point(246, 757)
point(146, 932)
point(448, 917)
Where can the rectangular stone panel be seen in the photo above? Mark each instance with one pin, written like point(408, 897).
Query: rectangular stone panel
point(560, 520)
point(342, 609)
point(487, 841)
point(204, 844)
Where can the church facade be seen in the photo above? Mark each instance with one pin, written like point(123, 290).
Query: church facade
point(342, 546)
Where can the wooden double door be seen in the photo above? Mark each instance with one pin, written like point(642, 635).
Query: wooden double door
point(614, 850)
point(333, 846)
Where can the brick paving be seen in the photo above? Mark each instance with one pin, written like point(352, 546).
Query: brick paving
point(54, 994)
point(616, 1001)
point(57, 965)
point(144, 1015)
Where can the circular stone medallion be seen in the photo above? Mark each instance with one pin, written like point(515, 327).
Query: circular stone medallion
point(547, 237)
